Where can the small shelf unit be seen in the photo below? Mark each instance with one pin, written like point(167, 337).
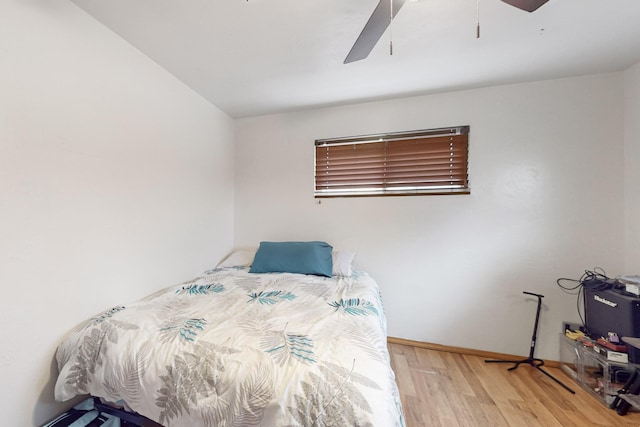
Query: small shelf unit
point(593, 371)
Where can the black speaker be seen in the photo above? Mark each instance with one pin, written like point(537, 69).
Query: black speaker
point(610, 310)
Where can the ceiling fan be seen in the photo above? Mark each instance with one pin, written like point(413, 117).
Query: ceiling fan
point(528, 5)
point(385, 11)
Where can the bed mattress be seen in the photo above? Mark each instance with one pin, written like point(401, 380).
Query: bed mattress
point(233, 348)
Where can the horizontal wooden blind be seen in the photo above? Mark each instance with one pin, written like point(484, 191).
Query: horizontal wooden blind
point(407, 163)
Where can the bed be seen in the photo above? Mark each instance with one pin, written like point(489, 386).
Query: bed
point(241, 347)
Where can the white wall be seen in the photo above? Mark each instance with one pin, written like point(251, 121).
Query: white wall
point(632, 171)
point(115, 180)
point(546, 202)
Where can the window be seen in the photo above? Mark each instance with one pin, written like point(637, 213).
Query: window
point(420, 162)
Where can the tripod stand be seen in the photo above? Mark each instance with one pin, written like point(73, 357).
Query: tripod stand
point(536, 363)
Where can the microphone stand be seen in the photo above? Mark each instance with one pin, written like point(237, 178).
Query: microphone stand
point(535, 362)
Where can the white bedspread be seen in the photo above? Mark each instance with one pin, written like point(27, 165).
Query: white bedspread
point(233, 348)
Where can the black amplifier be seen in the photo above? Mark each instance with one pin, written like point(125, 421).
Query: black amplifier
point(611, 310)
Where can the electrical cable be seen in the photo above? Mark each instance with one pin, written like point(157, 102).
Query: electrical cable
point(595, 279)
point(478, 19)
point(391, 27)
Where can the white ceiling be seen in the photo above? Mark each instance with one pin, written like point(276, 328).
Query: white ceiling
point(265, 56)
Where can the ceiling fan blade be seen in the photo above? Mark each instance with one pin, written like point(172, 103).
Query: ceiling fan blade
point(528, 5)
point(373, 30)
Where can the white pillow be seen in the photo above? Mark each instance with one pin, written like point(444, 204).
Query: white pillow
point(342, 261)
point(239, 258)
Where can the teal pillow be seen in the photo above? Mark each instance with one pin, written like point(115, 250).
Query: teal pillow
point(293, 257)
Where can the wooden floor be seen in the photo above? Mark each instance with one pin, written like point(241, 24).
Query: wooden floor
point(439, 388)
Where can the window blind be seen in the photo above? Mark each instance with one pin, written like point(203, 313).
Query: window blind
point(432, 161)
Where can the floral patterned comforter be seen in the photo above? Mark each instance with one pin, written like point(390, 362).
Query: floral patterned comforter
point(233, 348)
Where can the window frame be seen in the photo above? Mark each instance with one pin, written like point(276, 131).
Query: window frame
point(418, 156)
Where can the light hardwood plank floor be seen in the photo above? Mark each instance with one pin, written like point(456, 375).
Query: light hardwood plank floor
point(438, 388)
